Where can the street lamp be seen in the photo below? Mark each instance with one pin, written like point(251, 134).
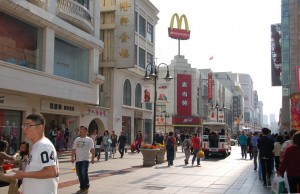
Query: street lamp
point(153, 75)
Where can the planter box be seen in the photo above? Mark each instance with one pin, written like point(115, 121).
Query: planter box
point(149, 156)
point(160, 157)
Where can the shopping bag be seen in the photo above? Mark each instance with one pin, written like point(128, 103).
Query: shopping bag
point(200, 154)
point(277, 185)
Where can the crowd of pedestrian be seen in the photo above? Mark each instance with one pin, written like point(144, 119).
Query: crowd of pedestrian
point(274, 153)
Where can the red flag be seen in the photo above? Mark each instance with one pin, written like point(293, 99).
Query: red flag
point(211, 58)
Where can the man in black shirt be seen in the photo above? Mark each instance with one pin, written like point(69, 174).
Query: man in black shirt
point(122, 143)
point(265, 146)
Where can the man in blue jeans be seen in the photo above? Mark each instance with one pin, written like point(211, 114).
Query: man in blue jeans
point(82, 147)
point(243, 142)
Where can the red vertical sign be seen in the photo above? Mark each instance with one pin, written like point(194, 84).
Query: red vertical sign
point(298, 77)
point(184, 94)
point(209, 86)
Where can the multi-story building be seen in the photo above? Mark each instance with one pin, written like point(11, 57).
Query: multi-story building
point(128, 32)
point(49, 60)
point(290, 60)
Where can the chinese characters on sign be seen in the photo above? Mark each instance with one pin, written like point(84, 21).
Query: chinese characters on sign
point(209, 86)
point(184, 106)
point(124, 21)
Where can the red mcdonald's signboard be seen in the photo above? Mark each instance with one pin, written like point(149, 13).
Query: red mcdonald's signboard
point(178, 33)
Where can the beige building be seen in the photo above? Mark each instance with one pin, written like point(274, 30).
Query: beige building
point(128, 32)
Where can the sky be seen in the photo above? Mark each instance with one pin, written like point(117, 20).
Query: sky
point(237, 33)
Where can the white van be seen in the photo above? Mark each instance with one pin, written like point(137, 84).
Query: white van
point(215, 138)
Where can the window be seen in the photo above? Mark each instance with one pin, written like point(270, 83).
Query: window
point(142, 56)
point(135, 21)
point(19, 43)
point(127, 93)
point(138, 96)
point(149, 59)
point(135, 54)
point(84, 3)
point(148, 106)
point(149, 32)
point(71, 61)
point(142, 26)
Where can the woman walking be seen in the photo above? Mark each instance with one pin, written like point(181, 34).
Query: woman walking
point(187, 144)
point(106, 140)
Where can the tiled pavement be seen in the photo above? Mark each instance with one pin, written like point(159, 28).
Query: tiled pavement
point(127, 175)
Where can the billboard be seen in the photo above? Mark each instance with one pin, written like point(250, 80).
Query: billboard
point(209, 87)
point(179, 33)
point(276, 54)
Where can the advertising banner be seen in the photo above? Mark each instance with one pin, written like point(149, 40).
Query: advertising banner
point(184, 94)
point(147, 93)
point(295, 111)
point(162, 93)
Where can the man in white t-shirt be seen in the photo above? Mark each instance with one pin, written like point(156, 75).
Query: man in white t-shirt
point(82, 147)
point(41, 173)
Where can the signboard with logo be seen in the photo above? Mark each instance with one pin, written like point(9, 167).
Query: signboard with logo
point(184, 94)
point(186, 121)
point(179, 33)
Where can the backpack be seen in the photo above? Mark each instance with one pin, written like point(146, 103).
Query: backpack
point(170, 144)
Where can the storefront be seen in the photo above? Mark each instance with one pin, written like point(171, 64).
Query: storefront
point(61, 115)
point(12, 108)
point(186, 125)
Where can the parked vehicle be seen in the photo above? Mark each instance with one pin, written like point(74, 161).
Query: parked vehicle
point(233, 142)
point(216, 139)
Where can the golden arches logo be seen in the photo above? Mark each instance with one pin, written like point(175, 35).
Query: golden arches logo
point(179, 33)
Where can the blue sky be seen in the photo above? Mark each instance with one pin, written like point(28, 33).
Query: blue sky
point(235, 32)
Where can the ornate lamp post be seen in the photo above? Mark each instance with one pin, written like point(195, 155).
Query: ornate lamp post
point(153, 75)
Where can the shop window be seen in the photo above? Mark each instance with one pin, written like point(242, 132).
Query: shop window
point(138, 96)
point(19, 43)
point(127, 93)
point(10, 129)
point(71, 61)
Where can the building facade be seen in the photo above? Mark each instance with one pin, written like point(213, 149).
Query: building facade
point(49, 64)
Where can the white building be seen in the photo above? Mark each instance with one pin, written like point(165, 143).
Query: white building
point(49, 59)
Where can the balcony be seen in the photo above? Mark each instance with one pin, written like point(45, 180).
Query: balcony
point(40, 3)
point(75, 14)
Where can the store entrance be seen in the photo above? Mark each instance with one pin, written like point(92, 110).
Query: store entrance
point(61, 122)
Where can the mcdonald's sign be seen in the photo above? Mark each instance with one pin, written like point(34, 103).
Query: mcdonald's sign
point(178, 33)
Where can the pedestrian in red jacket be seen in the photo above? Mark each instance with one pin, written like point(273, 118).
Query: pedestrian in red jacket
point(290, 164)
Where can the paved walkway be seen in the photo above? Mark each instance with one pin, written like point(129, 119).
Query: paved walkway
point(127, 175)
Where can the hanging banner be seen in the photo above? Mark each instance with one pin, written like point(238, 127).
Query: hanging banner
point(162, 93)
point(298, 76)
point(147, 93)
point(184, 94)
point(209, 87)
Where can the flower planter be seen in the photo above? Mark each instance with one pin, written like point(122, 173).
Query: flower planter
point(149, 156)
point(160, 157)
